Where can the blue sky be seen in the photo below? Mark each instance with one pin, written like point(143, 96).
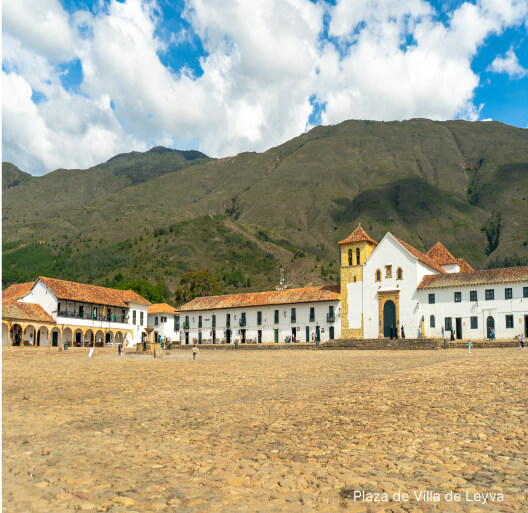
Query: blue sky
point(84, 80)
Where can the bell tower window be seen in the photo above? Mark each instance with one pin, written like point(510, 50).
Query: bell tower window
point(357, 256)
point(349, 257)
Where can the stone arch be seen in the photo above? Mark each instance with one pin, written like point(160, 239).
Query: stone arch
point(16, 333)
point(78, 337)
point(30, 335)
point(42, 336)
point(67, 336)
point(55, 336)
point(99, 338)
point(89, 338)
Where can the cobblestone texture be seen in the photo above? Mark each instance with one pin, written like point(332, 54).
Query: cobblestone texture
point(261, 431)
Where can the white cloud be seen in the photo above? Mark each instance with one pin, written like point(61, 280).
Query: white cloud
point(264, 60)
point(508, 64)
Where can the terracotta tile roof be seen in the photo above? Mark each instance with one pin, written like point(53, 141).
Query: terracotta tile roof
point(359, 235)
point(20, 311)
point(474, 278)
point(464, 266)
point(73, 291)
point(161, 308)
point(429, 262)
point(440, 255)
point(16, 291)
point(276, 297)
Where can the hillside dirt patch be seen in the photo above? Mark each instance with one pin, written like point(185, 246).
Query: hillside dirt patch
point(264, 431)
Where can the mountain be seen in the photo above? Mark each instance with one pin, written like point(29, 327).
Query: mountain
point(157, 214)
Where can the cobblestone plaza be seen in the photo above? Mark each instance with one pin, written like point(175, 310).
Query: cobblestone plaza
point(265, 431)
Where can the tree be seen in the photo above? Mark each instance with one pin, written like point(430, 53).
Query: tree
point(143, 288)
point(197, 283)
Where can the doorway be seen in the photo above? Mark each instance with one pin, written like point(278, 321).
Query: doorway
point(259, 336)
point(214, 336)
point(55, 339)
point(458, 328)
point(331, 332)
point(490, 324)
point(294, 334)
point(307, 333)
point(243, 336)
point(186, 337)
point(389, 318)
point(228, 336)
point(526, 325)
point(317, 334)
point(276, 335)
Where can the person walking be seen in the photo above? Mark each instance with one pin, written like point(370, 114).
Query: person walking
point(402, 332)
point(443, 333)
point(522, 341)
point(470, 345)
point(194, 352)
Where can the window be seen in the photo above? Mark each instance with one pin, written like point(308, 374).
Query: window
point(431, 299)
point(259, 318)
point(448, 323)
point(242, 320)
point(490, 294)
point(508, 294)
point(199, 321)
point(312, 314)
point(276, 320)
point(155, 321)
point(349, 257)
point(509, 321)
point(378, 275)
point(399, 273)
point(357, 256)
point(473, 295)
point(133, 317)
point(293, 315)
point(213, 322)
point(388, 271)
point(141, 318)
point(474, 323)
point(186, 325)
point(228, 320)
point(432, 321)
point(176, 323)
point(458, 297)
point(525, 291)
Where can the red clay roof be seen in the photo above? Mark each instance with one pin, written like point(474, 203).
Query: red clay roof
point(16, 291)
point(359, 235)
point(161, 308)
point(464, 266)
point(474, 278)
point(20, 311)
point(276, 297)
point(73, 291)
point(440, 255)
point(420, 256)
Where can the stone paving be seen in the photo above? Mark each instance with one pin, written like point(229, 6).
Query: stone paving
point(260, 431)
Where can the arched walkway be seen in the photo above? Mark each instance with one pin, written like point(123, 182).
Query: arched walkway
point(88, 338)
point(16, 335)
point(99, 338)
point(67, 336)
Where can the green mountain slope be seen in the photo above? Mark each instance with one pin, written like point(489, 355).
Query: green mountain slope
point(157, 214)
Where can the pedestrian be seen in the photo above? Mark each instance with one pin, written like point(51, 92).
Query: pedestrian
point(492, 333)
point(194, 352)
point(470, 345)
point(396, 332)
point(522, 341)
point(402, 332)
point(452, 333)
point(392, 332)
point(443, 333)
point(489, 333)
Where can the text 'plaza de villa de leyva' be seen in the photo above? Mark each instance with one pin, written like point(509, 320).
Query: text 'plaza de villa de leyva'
point(387, 289)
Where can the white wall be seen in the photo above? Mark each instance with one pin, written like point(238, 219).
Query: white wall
point(498, 308)
point(268, 322)
point(390, 252)
point(43, 296)
point(355, 304)
point(166, 329)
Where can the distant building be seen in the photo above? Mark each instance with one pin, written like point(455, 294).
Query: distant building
point(51, 312)
point(165, 320)
point(304, 314)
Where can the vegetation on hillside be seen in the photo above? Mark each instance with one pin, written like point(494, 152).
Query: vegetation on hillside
point(157, 215)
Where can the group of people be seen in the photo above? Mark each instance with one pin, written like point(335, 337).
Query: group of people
point(491, 333)
point(521, 341)
point(451, 333)
point(394, 332)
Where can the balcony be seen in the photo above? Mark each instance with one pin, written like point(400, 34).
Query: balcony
point(90, 317)
point(330, 317)
point(242, 321)
point(185, 325)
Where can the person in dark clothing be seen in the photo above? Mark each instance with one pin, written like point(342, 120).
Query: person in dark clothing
point(402, 333)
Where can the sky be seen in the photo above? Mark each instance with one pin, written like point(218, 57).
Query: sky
point(84, 80)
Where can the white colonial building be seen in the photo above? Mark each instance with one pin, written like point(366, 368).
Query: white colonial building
point(51, 312)
point(165, 321)
point(303, 315)
point(390, 285)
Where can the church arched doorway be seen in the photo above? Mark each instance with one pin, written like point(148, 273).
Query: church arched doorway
point(389, 317)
